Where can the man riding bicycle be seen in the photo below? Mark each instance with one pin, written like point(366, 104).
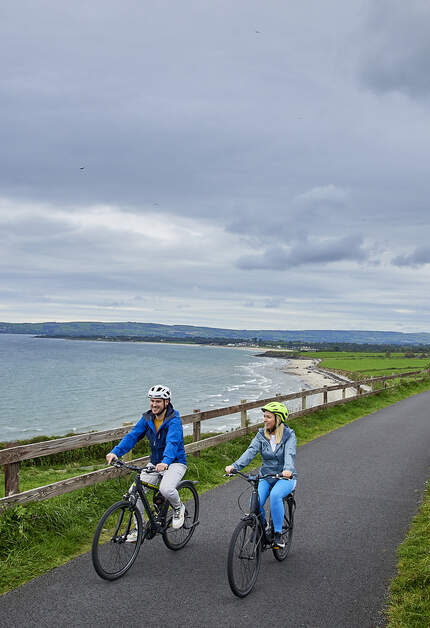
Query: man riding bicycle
point(276, 443)
point(162, 425)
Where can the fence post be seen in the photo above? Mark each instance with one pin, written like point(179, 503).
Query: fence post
point(303, 399)
point(325, 396)
point(196, 433)
point(11, 478)
point(343, 393)
point(243, 416)
point(128, 457)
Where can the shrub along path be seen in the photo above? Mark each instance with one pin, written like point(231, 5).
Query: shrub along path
point(359, 487)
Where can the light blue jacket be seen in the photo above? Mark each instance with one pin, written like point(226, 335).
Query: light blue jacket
point(282, 459)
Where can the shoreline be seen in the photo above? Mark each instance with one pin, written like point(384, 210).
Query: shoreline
point(307, 371)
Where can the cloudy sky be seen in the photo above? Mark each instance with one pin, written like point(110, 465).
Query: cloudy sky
point(237, 164)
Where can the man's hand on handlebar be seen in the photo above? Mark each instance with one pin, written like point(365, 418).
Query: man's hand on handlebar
point(111, 457)
point(161, 466)
point(229, 469)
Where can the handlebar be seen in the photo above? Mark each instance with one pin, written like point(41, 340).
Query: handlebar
point(148, 469)
point(254, 478)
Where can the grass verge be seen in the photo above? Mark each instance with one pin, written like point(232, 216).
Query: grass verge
point(42, 535)
point(409, 599)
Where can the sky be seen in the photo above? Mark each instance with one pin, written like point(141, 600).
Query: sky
point(246, 164)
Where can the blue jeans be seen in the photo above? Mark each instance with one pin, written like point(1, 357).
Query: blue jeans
point(278, 489)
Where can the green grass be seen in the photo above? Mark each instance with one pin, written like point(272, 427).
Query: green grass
point(409, 603)
point(43, 535)
point(368, 364)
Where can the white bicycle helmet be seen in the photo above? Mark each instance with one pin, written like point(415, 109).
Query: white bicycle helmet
point(159, 392)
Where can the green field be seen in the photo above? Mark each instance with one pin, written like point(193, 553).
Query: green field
point(366, 364)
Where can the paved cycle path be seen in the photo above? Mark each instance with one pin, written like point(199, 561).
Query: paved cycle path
point(358, 489)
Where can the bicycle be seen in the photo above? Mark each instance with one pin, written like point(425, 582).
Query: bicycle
point(250, 538)
point(112, 554)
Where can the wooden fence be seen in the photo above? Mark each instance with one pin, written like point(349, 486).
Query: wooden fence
point(12, 456)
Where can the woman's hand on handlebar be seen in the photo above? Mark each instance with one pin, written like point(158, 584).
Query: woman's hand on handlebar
point(111, 458)
point(229, 469)
point(287, 474)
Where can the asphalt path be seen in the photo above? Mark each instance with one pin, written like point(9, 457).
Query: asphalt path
point(357, 491)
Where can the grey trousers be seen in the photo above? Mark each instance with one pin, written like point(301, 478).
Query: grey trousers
point(170, 480)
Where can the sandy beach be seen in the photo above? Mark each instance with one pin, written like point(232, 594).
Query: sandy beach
point(312, 377)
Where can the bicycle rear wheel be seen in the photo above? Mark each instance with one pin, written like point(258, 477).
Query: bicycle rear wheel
point(177, 539)
point(287, 529)
point(244, 557)
point(111, 553)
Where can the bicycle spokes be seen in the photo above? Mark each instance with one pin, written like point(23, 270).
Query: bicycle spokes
point(244, 558)
point(113, 551)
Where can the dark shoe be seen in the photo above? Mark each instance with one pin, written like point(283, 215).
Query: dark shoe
point(278, 541)
point(268, 530)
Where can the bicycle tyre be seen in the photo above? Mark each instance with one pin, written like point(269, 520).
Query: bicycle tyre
point(287, 530)
point(111, 554)
point(177, 539)
point(244, 557)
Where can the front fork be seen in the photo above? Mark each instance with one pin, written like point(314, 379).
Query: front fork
point(257, 533)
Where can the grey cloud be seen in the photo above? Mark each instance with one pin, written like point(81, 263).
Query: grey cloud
point(311, 212)
point(274, 302)
point(349, 248)
point(30, 227)
point(329, 195)
point(398, 52)
point(419, 257)
point(269, 224)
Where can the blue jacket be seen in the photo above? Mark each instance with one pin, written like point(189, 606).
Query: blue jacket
point(282, 459)
point(167, 445)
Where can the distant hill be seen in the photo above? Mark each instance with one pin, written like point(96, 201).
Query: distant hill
point(172, 332)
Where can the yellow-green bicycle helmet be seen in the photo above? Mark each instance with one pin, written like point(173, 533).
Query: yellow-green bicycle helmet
point(277, 408)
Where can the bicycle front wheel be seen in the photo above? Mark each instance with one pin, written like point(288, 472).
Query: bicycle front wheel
point(287, 530)
point(177, 539)
point(111, 553)
point(244, 557)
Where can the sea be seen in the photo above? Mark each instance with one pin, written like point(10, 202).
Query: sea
point(55, 387)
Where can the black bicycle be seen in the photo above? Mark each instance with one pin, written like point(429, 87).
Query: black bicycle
point(251, 537)
point(113, 552)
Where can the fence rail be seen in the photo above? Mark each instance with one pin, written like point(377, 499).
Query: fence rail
point(12, 456)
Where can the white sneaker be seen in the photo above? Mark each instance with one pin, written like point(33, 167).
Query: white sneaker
point(131, 536)
point(178, 517)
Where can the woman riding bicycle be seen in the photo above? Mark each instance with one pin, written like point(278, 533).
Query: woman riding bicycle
point(276, 443)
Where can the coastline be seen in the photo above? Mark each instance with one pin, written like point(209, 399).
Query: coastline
point(309, 374)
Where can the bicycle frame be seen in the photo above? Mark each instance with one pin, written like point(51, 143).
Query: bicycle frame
point(157, 521)
point(114, 549)
point(250, 539)
point(255, 510)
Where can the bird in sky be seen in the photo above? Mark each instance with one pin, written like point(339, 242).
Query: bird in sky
point(82, 168)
